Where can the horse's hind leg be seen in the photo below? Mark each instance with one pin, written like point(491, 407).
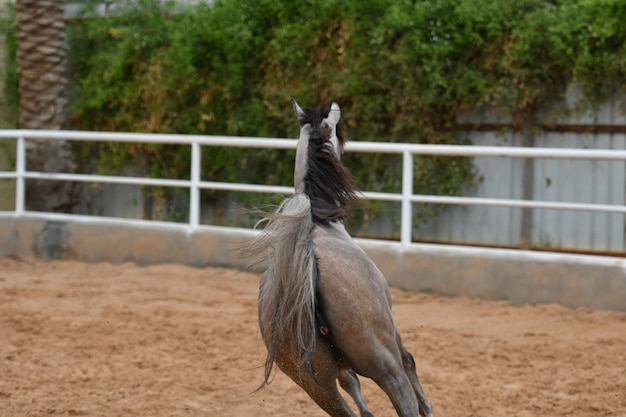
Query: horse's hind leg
point(327, 396)
point(323, 387)
point(384, 366)
point(426, 409)
point(350, 383)
point(397, 386)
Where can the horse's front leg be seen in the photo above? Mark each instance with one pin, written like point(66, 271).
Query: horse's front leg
point(350, 383)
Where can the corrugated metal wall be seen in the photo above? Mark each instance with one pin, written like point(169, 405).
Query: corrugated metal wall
point(601, 182)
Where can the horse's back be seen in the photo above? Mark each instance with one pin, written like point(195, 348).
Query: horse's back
point(344, 266)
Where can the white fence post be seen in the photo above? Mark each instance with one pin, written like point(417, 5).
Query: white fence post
point(406, 225)
point(194, 191)
point(20, 169)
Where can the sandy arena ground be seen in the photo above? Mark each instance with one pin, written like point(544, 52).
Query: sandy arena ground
point(81, 339)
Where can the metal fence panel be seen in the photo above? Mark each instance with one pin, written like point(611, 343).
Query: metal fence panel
point(484, 225)
point(598, 182)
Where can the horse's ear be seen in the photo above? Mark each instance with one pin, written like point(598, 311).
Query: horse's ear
point(297, 109)
point(335, 113)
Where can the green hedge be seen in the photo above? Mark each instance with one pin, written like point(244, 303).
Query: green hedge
point(9, 96)
point(401, 70)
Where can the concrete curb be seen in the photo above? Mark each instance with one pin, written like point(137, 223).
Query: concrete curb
point(518, 276)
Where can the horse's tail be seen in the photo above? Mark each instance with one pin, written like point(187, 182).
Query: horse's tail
point(287, 294)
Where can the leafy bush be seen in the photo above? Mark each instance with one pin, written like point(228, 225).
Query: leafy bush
point(402, 70)
point(9, 99)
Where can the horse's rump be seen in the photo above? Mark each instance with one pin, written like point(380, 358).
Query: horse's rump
point(352, 294)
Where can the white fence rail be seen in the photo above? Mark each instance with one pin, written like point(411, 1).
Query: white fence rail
point(408, 152)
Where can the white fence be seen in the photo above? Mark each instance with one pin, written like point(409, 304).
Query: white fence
point(406, 197)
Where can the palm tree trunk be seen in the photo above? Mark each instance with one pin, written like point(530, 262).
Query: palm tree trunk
point(41, 59)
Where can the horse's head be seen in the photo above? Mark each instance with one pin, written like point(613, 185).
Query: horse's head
point(324, 123)
point(319, 172)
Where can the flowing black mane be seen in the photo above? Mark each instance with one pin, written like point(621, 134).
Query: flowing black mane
point(328, 183)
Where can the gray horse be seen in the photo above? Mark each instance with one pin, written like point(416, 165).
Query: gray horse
point(324, 307)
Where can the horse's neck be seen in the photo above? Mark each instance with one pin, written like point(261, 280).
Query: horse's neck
point(302, 153)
